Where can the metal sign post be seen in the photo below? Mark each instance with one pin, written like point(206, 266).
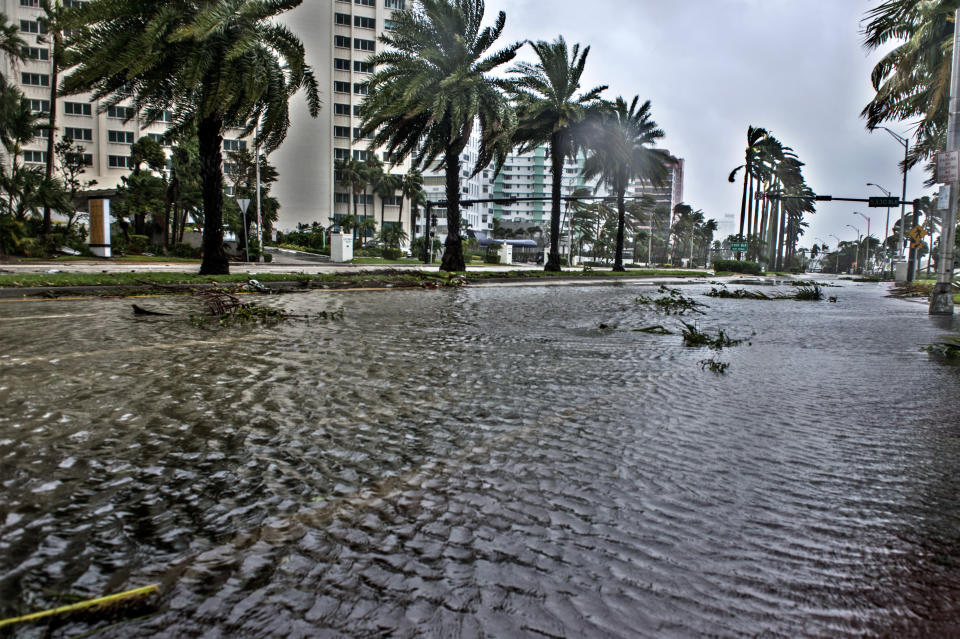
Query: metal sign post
point(941, 298)
point(244, 205)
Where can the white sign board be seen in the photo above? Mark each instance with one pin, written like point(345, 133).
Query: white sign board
point(943, 199)
point(948, 167)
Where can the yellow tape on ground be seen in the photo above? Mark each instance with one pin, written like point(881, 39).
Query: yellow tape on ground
point(102, 602)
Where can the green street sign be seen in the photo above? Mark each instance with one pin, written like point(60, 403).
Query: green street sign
point(883, 202)
point(738, 247)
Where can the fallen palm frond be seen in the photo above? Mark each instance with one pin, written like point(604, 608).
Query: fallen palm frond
point(694, 337)
point(715, 366)
point(803, 294)
point(672, 303)
point(948, 348)
point(653, 330)
point(124, 602)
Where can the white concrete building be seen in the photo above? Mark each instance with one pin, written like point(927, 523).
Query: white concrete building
point(340, 36)
point(106, 134)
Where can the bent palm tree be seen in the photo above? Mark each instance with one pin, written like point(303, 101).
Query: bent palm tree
point(432, 87)
point(11, 44)
point(551, 112)
point(751, 169)
point(218, 64)
point(621, 152)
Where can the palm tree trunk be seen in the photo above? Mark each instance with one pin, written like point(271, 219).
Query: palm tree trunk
point(557, 153)
point(749, 216)
point(621, 222)
point(211, 176)
point(52, 133)
point(772, 235)
point(743, 210)
point(453, 248)
point(780, 238)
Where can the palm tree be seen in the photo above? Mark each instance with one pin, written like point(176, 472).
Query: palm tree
point(431, 89)
point(755, 137)
point(386, 188)
point(11, 44)
point(350, 173)
point(550, 111)
point(217, 64)
point(912, 80)
point(372, 174)
point(621, 152)
point(411, 187)
point(53, 22)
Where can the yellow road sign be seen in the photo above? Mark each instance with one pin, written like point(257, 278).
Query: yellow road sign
point(917, 233)
point(916, 245)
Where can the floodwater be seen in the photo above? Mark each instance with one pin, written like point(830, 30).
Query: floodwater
point(484, 462)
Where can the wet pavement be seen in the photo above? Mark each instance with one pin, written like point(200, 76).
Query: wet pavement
point(485, 462)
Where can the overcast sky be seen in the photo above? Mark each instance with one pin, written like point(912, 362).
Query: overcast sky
point(713, 67)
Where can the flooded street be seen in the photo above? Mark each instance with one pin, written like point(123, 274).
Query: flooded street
point(485, 462)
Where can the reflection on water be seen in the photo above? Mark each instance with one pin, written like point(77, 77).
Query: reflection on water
point(485, 462)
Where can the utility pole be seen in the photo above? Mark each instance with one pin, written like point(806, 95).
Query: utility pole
point(260, 241)
point(427, 242)
point(941, 299)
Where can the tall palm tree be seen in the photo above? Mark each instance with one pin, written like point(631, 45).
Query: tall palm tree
point(551, 111)
point(755, 137)
point(411, 187)
point(621, 152)
point(432, 86)
point(11, 44)
point(372, 174)
point(217, 64)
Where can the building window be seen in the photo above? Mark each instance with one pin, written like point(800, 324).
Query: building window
point(364, 23)
point(341, 65)
point(36, 53)
point(341, 154)
point(364, 45)
point(234, 145)
point(40, 106)
point(341, 109)
point(35, 157)
point(32, 26)
point(120, 112)
point(77, 108)
point(341, 41)
point(119, 161)
point(341, 87)
point(342, 19)
point(394, 4)
point(360, 155)
point(35, 79)
point(366, 3)
point(30, 3)
point(341, 132)
point(390, 25)
point(86, 159)
point(356, 134)
point(78, 134)
point(356, 110)
point(362, 67)
point(120, 137)
point(341, 198)
point(361, 88)
point(159, 138)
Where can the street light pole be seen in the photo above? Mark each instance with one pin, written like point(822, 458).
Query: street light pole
point(858, 243)
point(941, 299)
point(867, 252)
point(886, 228)
point(903, 198)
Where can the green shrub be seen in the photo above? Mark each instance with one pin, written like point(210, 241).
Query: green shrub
point(138, 244)
point(491, 258)
point(392, 253)
point(735, 266)
point(185, 250)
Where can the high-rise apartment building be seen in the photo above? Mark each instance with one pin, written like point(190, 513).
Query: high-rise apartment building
point(340, 37)
point(530, 175)
point(671, 192)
